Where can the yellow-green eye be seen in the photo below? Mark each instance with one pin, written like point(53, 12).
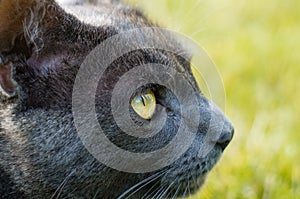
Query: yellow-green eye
point(144, 104)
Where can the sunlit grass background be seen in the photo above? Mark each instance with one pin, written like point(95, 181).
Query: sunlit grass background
point(256, 46)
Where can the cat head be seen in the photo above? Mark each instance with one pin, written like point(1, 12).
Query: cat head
point(46, 49)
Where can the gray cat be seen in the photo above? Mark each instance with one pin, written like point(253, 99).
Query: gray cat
point(42, 46)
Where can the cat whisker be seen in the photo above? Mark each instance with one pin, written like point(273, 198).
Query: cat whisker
point(197, 32)
point(185, 192)
point(160, 191)
point(176, 192)
point(180, 53)
point(189, 187)
point(79, 176)
point(96, 194)
point(141, 184)
point(196, 182)
point(60, 188)
point(188, 13)
point(166, 191)
point(150, 189)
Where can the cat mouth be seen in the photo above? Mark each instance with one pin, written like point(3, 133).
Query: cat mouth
point(191, 178)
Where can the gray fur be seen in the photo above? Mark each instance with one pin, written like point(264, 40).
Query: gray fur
point(41, 155)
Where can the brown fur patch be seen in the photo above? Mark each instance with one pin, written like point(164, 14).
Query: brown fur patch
point(11, 14)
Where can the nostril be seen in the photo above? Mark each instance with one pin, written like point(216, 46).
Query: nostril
point(225, 138)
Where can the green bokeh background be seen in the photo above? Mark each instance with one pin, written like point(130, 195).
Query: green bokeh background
point(256, 47)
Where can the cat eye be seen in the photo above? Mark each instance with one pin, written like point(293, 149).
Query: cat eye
point(144, 104)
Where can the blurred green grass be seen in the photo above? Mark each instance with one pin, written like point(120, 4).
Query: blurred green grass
point(256, 46)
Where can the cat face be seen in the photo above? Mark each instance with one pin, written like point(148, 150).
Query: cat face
point(43, 48)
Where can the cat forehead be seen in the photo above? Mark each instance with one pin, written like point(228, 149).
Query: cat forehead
point(101, 12)
point(80, 2)
point(89, 14)
point(105, 13)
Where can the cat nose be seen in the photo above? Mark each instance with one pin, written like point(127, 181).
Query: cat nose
point(226, 135)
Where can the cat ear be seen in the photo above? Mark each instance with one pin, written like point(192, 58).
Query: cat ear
point(12, 14)
point(7, 84)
